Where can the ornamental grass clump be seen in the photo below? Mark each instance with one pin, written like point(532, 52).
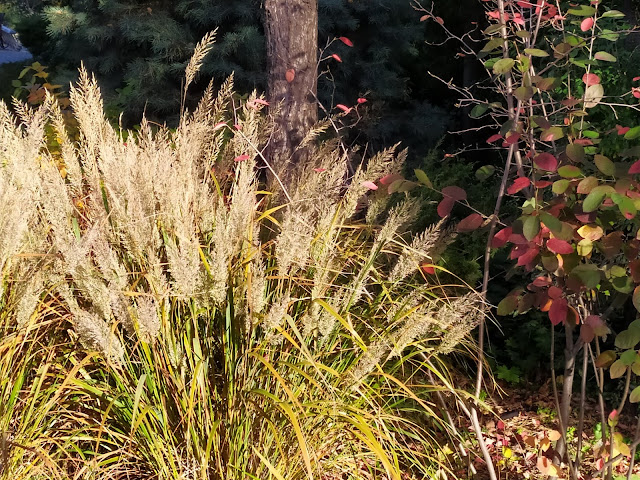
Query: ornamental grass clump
point(163, 316)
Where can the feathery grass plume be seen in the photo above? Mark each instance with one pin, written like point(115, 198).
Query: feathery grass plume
point(429, 245)
point(169, 235)
point(257, 289)
point(399, 217)
point(29, 295)
point(203, 47)
point(418, 323)
point(275, 317)
point(372, 356)
point(148, 318)
point(385, 162)
point(94, 333)
point(458, 318)
point(69, 157)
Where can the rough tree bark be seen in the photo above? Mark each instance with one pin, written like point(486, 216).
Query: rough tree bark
point(291, 28)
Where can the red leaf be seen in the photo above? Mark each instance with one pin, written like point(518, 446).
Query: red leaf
point(554, 292)
point(319, 170)
point(439, 20)
point(454, 192)
point(541, 281)
point(370, 185)
point(528, 256)
point(635, 168)
point(241, 158)
point(260, 101)
point(290, 75)
point(590, 79)
point(546, 161)
point(518, 184)
point(335, 56)
point(500, 239)
point(346, 41)
point(362, 100)
point(494, 138)
point(635, 79)
point(542, 183)
point(512, 138)
point(389, 179)
point(470, 223)
point(425, 17)
point(622, 130)
point(583, 141)
point(445, 206)
point(586, 24)
point(559, 246)
point(428, 269)
point(558, 311)
point(344, 108)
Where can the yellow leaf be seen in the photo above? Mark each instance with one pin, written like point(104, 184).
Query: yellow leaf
point(591, 232)
point(546, 467)
point(585, 247)
point(554, 435)
point(545, 443)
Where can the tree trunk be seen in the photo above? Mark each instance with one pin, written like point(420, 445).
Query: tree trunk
point(291, 28)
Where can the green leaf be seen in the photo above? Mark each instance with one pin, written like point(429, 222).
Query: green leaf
point(523, 93)
point(552, 134)
point(546, 83)
point(596, 197)
point(636, 298)
point(634, 396)
point(629, 357)
point(551, 222)
point(523, 34)
point(503, 66)
point(588, 274)
point(575, 152)
point(423, 178)
point(627, 339)
point(478, 110)
point(485, 172)
point(492, 45)
point(613, 14)
point(492, 29)
point(622, 284)
point(605, 165)
point(610, 35)
point(633, 133)
point(605, 57)
point(560, 186)
point(535, 52)
point(625, 204)
point(530, 227)
point(617, 369)
point(508, 305)
point(24, 71)
point(569, 171)
point(582, 11)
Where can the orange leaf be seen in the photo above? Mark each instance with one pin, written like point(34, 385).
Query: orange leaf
point(290, 75)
